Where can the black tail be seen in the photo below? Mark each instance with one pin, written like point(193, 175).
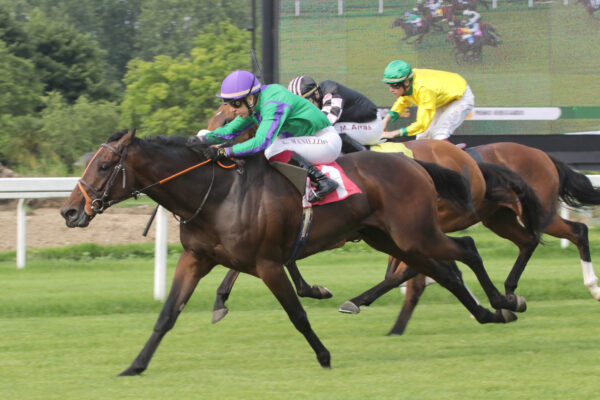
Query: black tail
point(575, 189)
point(501, 184)
point(451, 186)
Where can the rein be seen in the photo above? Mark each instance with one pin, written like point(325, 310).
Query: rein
point(100, 203)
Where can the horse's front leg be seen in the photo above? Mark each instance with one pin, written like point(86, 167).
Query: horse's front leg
point(402, 274)
point(220, 310)
point(274, 276)
point(190, 269)
point(414, 289)
point(303, 288)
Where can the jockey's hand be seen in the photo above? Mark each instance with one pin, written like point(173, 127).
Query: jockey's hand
point(215, 153)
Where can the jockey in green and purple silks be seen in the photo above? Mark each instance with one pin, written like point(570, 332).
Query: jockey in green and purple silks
point(290, 128)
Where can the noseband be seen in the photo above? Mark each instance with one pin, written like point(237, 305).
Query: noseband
point(99, 203)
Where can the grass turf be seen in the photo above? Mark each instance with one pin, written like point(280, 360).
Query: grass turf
point(69, 326)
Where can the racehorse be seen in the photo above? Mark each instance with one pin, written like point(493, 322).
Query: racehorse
point(245, 215)
point(411, 29)
point(552, 180)
point(492, 187)
point(463, 50)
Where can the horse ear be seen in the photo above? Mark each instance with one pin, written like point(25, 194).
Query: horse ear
point(126, 139)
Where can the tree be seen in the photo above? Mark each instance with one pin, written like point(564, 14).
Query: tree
point(177, 96)
point(20, 90)
point(89, 124)
point(67, 61)
point(168, 27)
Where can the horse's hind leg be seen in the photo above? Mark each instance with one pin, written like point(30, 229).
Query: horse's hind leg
point(277, 281)
point(577, 233)
point(414, 289)
point(448, 275)
point(504, 223)
point(303, 288)
point(189, 271)
point(220, 310)
point(471, 257)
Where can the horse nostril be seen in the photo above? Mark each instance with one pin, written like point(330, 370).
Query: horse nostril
point(69, 213)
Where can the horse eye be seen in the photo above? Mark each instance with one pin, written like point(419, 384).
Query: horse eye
point(104, 167)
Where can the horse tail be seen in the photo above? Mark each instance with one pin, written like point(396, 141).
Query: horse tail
point(502, 185)
point(575, 189)
point(451, 186)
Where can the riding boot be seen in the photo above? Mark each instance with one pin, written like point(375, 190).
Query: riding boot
point(323, 183)
point(350, 145)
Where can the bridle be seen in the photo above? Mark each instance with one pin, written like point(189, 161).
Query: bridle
point(99, 203)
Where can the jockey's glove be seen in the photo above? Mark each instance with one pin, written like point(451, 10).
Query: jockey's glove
point(215, 153)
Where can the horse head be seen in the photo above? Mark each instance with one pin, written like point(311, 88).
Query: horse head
point(98, 183)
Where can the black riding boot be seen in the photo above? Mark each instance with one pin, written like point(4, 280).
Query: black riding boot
point(350, 145)
point(324, 184)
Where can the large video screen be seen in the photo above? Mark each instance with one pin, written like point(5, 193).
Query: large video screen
point(538, 72)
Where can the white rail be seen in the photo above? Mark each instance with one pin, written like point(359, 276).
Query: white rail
point(40, 188)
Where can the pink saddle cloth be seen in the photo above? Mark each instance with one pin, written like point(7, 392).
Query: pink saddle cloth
point(345, 186)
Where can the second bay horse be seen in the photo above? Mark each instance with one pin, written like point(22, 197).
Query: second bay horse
point(552, 180)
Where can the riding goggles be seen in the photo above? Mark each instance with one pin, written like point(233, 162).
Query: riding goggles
point(397, 85)
point(235, 103)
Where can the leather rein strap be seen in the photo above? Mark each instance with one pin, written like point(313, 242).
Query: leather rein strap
point(99, 203)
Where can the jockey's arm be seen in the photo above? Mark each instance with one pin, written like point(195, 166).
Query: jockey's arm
point(332, 107)
point(228, 132)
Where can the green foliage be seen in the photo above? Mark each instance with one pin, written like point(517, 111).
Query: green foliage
point(168, 27)
point(72, 130)
point(66, 60)
point(20, 89)
point(177, 96)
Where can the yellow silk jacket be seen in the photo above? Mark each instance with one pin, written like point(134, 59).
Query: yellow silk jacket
point(431, 89)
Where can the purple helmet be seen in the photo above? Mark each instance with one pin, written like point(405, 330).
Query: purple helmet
point(239, 84)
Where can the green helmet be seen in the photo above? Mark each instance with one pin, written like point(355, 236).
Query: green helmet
point(397, 71)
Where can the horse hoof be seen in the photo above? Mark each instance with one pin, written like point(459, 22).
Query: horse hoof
point(595, 292)
point(508, 316)
point(219, 314)
point(349, 308)
point(521, 304)
point(131, 372)
point(323, 292)
point(324, 359)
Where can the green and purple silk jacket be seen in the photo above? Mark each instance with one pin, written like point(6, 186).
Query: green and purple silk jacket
point(279, 112)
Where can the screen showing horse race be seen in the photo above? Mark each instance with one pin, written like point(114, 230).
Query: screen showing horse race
point(533, 66)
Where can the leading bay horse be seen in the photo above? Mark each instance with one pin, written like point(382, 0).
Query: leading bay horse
point(245, 215)
point(552, 180)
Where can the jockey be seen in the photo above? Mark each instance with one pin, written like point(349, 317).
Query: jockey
point(351, 113)
point(472, 26)
point(444, 100)
point(290, 129)
point(412, 18)
point(435, 6)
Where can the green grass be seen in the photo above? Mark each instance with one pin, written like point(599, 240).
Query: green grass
point(69, 325)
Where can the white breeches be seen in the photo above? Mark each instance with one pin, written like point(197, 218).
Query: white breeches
point(322, 148)
point(449, 117)
point(363, 132)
